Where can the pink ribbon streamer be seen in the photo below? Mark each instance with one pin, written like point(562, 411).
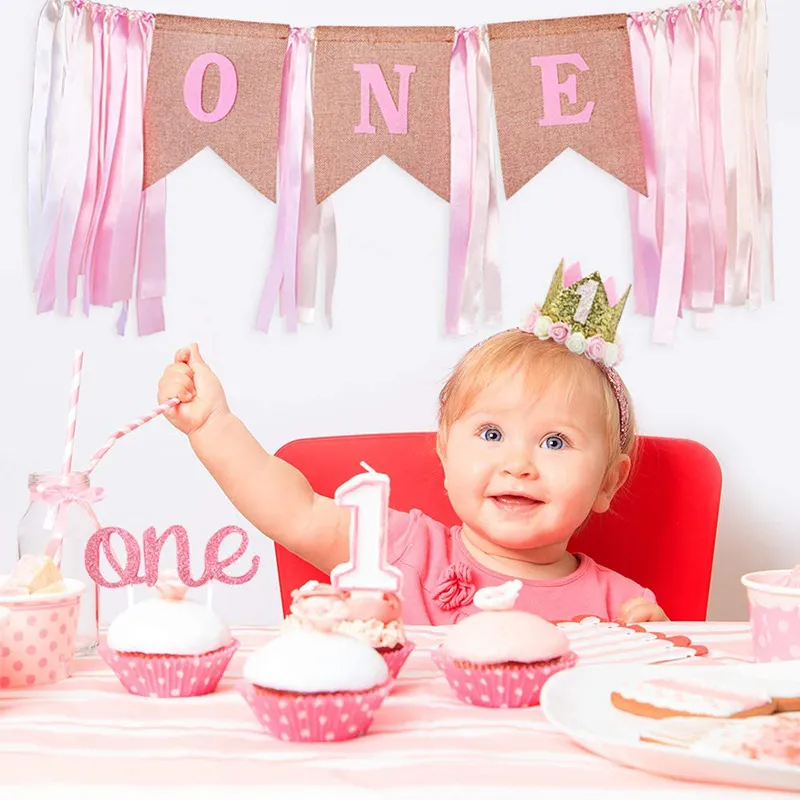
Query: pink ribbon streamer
point(461, 158)
point(473, 268)
point(151, 252)
point(151, 279)
point(644, 210)
point(317, 246)
point(763, 157)
point(746, 188)
point(711, 133)
point(699, 271)
point(60, 136)
point(37, 144)
point(729, 110)
point(282, 275)
point(675, 152)
point(112, 132)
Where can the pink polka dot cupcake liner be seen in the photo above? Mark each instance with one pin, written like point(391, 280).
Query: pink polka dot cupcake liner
point(504, 686)
point(38, 641)
point(167, 676)
point(333, 717)
point(396, 658)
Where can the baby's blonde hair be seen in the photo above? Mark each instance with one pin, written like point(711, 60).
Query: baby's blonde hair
point(542, 362)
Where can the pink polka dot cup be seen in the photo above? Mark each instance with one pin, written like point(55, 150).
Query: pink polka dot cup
point(774, 601)
point(38, 643)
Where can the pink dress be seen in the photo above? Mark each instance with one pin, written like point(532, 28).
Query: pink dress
point(440, 577)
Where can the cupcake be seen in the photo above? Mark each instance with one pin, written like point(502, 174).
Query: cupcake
point(500, 657)
point(371, 617)
point(308, 686)
point(168, 646)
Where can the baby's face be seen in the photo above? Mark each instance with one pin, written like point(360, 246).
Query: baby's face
point(524, 471)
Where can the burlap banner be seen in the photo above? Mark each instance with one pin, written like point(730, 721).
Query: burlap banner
point(382, 91)
point(566, 83)
point(214, 83)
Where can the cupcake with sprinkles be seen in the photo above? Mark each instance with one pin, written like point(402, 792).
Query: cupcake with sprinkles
point(502, 657)
point(309, 686)
point(168, 645)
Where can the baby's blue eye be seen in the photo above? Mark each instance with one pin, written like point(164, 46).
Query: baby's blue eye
point(491, 434)
point(554, 442)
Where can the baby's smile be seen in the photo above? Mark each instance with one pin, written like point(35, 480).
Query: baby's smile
point(515, 503)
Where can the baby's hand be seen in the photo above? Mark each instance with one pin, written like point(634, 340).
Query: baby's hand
point(191, 380)
point(637, 609)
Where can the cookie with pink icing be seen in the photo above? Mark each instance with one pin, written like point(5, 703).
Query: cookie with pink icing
point(371, 617)
point(660, 698)
point(774, 739)
point(501, 657)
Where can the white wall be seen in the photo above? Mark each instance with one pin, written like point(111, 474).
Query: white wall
point(380, 367)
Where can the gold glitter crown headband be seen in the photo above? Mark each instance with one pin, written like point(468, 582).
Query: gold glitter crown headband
point(583, 313)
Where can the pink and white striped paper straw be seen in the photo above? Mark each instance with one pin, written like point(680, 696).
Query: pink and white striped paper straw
point(55, 518)
point(131, 426)
point(72, 418)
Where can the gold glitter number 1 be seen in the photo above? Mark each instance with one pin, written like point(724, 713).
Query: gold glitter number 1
point(587, 292)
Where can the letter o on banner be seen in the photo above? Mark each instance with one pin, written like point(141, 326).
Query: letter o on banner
point(193, 87)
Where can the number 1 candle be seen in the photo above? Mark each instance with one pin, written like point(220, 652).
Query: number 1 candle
point(367, 497)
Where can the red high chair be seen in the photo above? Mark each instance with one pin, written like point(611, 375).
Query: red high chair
point(660, 530)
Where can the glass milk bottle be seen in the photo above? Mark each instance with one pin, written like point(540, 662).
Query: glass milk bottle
point(77, 523)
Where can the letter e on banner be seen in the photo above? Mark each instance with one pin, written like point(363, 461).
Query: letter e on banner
point(552, 89)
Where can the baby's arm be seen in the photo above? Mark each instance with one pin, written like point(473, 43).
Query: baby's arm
point(274, 496)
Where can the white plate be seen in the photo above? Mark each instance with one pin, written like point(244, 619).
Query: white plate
point(578, 703)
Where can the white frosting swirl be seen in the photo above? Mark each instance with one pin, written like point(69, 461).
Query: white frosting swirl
point(498, 598)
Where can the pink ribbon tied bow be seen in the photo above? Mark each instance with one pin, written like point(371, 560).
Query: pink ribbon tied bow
point(60, 496)
point(55, 494)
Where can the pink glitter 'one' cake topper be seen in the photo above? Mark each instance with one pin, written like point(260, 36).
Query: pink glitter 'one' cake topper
point(367, 497)
point(152, 544)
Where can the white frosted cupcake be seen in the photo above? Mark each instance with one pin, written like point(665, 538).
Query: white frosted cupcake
point(168, 646)
point(308, 686)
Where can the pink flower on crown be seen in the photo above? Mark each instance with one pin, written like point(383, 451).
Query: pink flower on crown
point(596, 348)
point(530, 320)
point(559, 332)
point(455, 587)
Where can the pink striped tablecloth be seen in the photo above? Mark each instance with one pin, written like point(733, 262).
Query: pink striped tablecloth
point(89, 730)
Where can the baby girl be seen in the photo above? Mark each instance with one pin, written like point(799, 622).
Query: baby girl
point(536, 433)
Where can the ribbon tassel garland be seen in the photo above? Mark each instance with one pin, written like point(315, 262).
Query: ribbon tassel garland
point(703, 234)
point(672, 103)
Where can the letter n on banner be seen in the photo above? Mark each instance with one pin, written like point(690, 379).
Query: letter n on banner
point(382, 91)
point(214, 83)
point(566, 83)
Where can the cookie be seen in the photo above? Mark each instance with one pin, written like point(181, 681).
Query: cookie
point(774, 738)
point(671, 697)
point(786, 694)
